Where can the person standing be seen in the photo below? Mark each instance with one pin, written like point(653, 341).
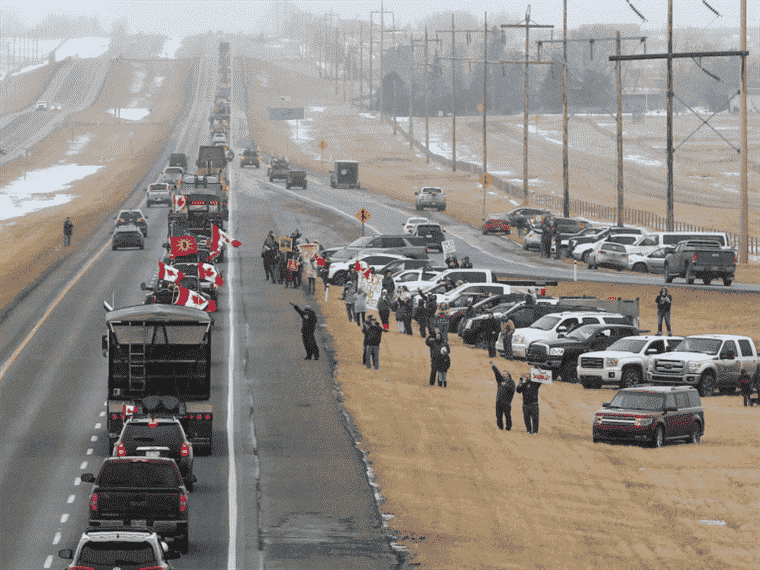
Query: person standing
point(545, 236)
point(267, 253)
point(663, 301)
point(310, 271)
point(431, 308)
point(557, 238)
point(505, 392)
point(466, 263)
point(756, 383)
point(349, 297)
point(745, 384)
point(373, 334)
point(491, 329)
point(308, 325)
point(507, 330)
point(442, 364)
point(529, 390)
point(443, 322)
point(68, 230)
point(384, 309)
point(388, 284)
point(360, 306)
point(420, 315)
point(435, 343)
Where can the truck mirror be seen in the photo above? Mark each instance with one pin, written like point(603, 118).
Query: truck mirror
point(606, 405)
point(143, 287)
point(87, 478)
point(66, 554)
point(104, 345)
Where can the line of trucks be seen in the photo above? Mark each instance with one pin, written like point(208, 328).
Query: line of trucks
point(159, 376)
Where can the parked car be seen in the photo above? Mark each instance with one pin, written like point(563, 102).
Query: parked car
point(127, 236)
point(609, 254)
point(338, 273)
point(593, 235)
point(158, 193)
point(411, 223)
point(433, 234)
point(400, 265)
point(296, 178)
point(701, 259)
point(523, 218)
point(651, 263)
point(651, 414)
point(133, 217)
point(119, 547)
point(496, 224)
point(430, 197)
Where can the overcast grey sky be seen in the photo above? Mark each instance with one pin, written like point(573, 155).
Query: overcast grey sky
point(172, 17)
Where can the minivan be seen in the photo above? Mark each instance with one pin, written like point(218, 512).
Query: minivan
point(655, 240)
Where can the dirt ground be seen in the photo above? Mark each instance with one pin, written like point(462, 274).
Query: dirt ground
point(97, 196)
point(462, 494)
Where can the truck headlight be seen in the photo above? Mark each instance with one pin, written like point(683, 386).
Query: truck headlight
point(468, 325)
point(643, 422)
point(519, 339)
point(556, 351)
point(650, 366)
point(598, 419)
point(693, 366)
point(610, 362)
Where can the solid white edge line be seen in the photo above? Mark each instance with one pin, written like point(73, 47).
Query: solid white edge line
point(48, 561)
point(231, 467)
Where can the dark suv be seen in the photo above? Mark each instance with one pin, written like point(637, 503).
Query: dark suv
point(433, 234)
point(522, 218)
point(134, 217)
point(651, 414)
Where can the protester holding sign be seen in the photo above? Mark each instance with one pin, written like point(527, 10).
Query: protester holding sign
point(529, 390)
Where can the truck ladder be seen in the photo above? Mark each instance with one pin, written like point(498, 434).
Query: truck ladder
point(137, 366)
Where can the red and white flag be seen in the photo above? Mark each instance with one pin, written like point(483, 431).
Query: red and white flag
point(219, 237)
point(183, 245)
point(208, 272)
point(192, 299)
point(169, 273)
point(180, 203)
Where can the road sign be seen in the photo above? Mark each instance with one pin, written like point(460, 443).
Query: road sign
point(322, 145)
point(486, 180)
point(363, 215)
point(285, 113)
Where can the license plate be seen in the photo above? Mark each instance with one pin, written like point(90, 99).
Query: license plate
point(152, 454)
point(140, 522)
point(715, 268)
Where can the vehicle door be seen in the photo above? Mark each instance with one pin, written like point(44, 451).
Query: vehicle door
point(567, 324)
point(686, 418)
point(747, 356)
point(646, 245)
point(393, 242)
point(656, 259)
point(601, 340)
point(729, 365)
point(671, 419)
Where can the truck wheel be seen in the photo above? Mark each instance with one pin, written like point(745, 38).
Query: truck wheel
point(689, 276)
point(696, 435)
point(707, 384)
point(631, 377)
point(190, 483)
point(287, 186)
point(727, 281)
point(707, 280)
point(584, 257)
point(640, 268)
point(332, 184)
point(568, 372)
point(419, 208)
point(340, 278)
point(668, 276)
point(304, 186)
point(659, 437)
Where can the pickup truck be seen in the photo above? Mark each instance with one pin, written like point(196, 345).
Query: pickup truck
point(561, 355)
point(278, 170)
point(158, 193)
point(431, 198)
point(706, 362)
point(701, 259)
point(141, 491)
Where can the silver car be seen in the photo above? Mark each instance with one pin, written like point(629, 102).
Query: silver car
point(650, 263)
point(609, 254)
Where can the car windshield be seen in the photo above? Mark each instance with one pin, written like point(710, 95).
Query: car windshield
point(703, 345)
point(344, 254)
point(115, 553)
point(583, 333)
point(633, 345)
point(413, 221)
point(361, 242)
point(412, 276)
point(646, 401)
point(139, 473)
point(545, 323)
point(161, 435)
point(431, 190)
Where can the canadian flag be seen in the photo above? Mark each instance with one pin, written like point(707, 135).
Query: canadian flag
point(183, 245)
point(192, 299)
point(169, 273)
point(180, 203)
point(208, 272)
point(128, 410)
point(363, 268)
point(321, 261)
point(219, 237)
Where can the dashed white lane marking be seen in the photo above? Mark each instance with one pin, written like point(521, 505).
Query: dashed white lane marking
point(89, 451)
point(65, 516)
point(71, 499)
point(83, 465)
point(101, 414)
point(77, 480)
point(48, 561)
point(57, 538)
point(98, 426)
point(94, 438)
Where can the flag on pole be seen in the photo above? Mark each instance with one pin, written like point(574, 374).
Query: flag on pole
point(169, 273)
point(208, 272)
point(183, 245)
point(192, 299)
point(179, 203)
point(218, 238)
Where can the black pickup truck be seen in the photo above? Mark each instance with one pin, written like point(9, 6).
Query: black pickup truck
point(141, 491)
point(701, 259)
point(561, 355)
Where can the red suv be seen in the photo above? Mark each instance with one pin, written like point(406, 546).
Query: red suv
point(496, 223)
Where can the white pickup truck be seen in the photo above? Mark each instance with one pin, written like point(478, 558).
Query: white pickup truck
point(707, 362)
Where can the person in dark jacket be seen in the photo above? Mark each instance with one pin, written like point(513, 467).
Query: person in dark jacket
point(529, 390)
point(281, 267)
point(388, 284)
point(491, 329)
point(745, 384)
point(663, 301)
point(451, 262)
point(407, 310)
point(384, 308)
point(420, 315)
point(756, 383)
point(443, 322)
point(435, 343)
point(505, 391)
point(268, 251)
point(546, 237)
point(431, 308)
point(308, 325)
point(466, 263)
point(442, 364)
point(373, 334)
point(507, 330)
point(68, 230)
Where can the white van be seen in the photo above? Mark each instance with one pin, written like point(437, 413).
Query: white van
point(655, 240)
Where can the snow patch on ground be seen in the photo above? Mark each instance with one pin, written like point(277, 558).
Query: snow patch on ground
point(83, 47)
point(78, 144)
point(316, 109)
point(23, 196)
point(131, 114)
point(304, 129)
point(158, 82)
point(642, 160)
point(137, 80)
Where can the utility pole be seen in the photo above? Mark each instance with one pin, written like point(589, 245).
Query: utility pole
point(427, 123)
point(382, 13)
point(669, 56)
point(527, 27)
point(344, 66)
point(744, 222)
point(411, 94)
point(361, 65)
point(619, 135)
point(453, 100)
point(565, 138)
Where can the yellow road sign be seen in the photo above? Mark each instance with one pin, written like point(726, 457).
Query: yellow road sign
point(363, 215)
point(322, 145)
point(486, 180)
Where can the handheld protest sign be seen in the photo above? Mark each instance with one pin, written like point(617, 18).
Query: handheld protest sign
point(286, 243)
point(292, 265)
point(541, 376)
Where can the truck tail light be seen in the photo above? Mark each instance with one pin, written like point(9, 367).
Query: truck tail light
point(734, 259)
point(94, 502)
point(121, 451)
point(695, 257)
point(183, 503)
point(151, 567)
point(207, 417)
point(82, 568)
point(184, 451)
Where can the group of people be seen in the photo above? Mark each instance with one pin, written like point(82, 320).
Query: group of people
point(289, 267)
point(505, 392)
point(549, 233)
